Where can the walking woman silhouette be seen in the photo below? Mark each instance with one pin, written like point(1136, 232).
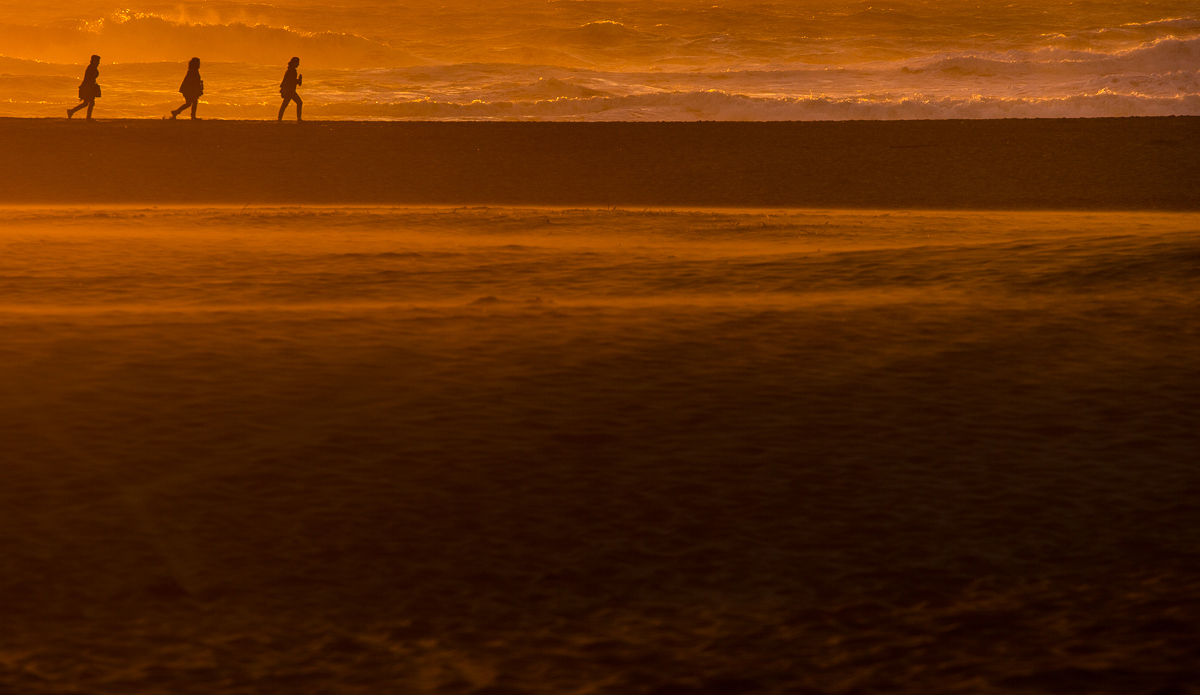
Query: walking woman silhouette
point(89, 90)
point(191, 89)
point(287, 89)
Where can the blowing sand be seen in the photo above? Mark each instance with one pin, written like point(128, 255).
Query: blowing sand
point(570, 451)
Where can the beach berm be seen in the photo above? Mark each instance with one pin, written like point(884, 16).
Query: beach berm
point(1108, 163)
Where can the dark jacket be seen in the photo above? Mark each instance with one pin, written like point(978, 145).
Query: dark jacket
point(89, 89)
point(193, 86)
point(290, 82)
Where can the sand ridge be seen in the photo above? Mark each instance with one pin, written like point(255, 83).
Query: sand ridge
point(1040, 164)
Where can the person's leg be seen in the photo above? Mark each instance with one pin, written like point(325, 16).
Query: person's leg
point(299, 108)
point(286, 100)
point(72, 112)
point(195, 103)
point(91, 104)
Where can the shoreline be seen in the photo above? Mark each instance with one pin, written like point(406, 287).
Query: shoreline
point(290, 118)
point(1137, 163)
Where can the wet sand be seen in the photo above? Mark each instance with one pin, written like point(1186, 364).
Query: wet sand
point(556, 451)
point(1108, 163)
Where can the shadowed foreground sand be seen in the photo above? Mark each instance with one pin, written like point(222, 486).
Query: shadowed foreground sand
point(541, 451)
point(1104, 163)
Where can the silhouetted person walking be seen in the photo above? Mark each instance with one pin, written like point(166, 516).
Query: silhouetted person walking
point(191, 89)
point(287, 89)
point(89, 90)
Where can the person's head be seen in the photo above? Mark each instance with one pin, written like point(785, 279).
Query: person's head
point(95, 60)
point(194, 63)
point(294, 63)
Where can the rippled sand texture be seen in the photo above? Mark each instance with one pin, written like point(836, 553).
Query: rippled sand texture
point(542, 451)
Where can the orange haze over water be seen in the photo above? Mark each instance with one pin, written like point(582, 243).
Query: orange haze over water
point(615, 60)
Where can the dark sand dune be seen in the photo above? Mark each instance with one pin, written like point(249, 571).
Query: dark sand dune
point(505, 451)
point(1112, 164)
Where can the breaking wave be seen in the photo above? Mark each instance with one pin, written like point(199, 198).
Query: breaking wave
point(620, 59)
point(1164, 55)
point(720, 106)
point(1105, 38)
point(126, 37)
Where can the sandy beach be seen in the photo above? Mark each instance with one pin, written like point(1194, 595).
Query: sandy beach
point(621, 347)
point(1053, 164)
point(545, 450)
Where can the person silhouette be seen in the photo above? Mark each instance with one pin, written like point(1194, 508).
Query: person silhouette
point(287, 89)
point(88, 90)
point(191, 89)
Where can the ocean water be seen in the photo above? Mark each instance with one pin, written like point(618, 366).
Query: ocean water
point(614, 60)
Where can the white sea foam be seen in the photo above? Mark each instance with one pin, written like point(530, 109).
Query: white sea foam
point(655, 59)
point(715, 105)
point(1157, 56)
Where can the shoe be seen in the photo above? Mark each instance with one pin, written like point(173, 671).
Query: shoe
point(70, 113)
point(174, 115)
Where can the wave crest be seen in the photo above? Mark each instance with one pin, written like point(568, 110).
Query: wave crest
point(720, 106)
point(142, 37)
point(1164, 55)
